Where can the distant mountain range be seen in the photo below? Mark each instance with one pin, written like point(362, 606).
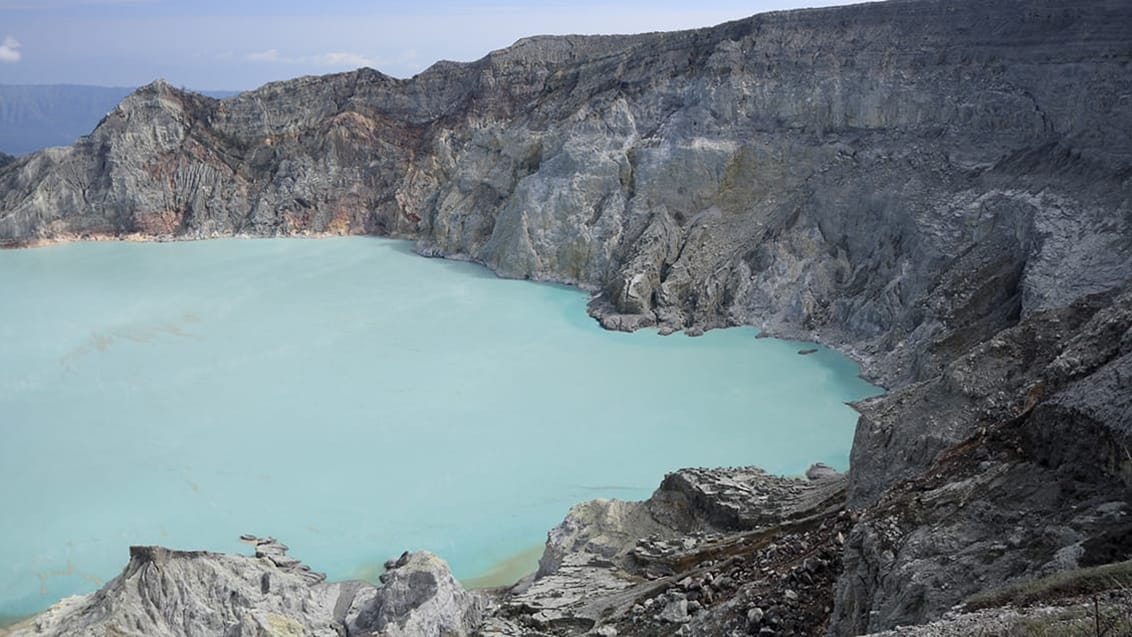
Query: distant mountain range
point(40, 115)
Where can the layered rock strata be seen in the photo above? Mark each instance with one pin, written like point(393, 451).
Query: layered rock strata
point(712, 552)
point(187, 593)
point(941, 188)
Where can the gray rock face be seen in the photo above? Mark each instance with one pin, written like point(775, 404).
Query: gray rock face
point(937, 187)
point(842, 173)
point(821, 471)
point(418, 596)
point(708, 544)
point(163, 592)
point(1026, 436)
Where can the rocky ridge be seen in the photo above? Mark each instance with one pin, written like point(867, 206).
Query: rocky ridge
point(166, 592)
point(938, 188)
point(712, 552)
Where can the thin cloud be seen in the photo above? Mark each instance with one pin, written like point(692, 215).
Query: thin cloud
point(334, 58)
point(342, 59)
point(270, 55)
point(10, 50)
point(32, 5)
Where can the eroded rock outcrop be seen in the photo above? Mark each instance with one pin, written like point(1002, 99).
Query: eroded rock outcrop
point(417, 596)
point(711, 552)
point(163, 592)
point(1024, 446)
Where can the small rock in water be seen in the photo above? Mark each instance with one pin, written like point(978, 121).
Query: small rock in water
point(791, 595)
point(285, 561)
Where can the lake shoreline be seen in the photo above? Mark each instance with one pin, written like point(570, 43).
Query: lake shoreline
point(223, 320)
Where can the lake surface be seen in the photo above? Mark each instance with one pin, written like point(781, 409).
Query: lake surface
point(353, 400)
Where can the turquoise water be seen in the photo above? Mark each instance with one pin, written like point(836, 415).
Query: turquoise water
point(353, 400)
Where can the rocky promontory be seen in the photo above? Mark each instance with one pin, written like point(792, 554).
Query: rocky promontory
point(167, 592)
point(940, 188)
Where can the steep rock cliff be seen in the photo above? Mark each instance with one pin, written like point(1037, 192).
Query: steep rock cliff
point(941, 188)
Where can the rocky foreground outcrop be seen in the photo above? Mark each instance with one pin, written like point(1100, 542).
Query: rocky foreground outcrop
point(711, 552)
point(941, 188)
point(175, 593)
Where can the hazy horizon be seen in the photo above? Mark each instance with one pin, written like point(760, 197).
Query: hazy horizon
point(241, 44)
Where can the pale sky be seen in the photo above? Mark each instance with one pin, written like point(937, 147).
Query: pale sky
point(240, 44)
